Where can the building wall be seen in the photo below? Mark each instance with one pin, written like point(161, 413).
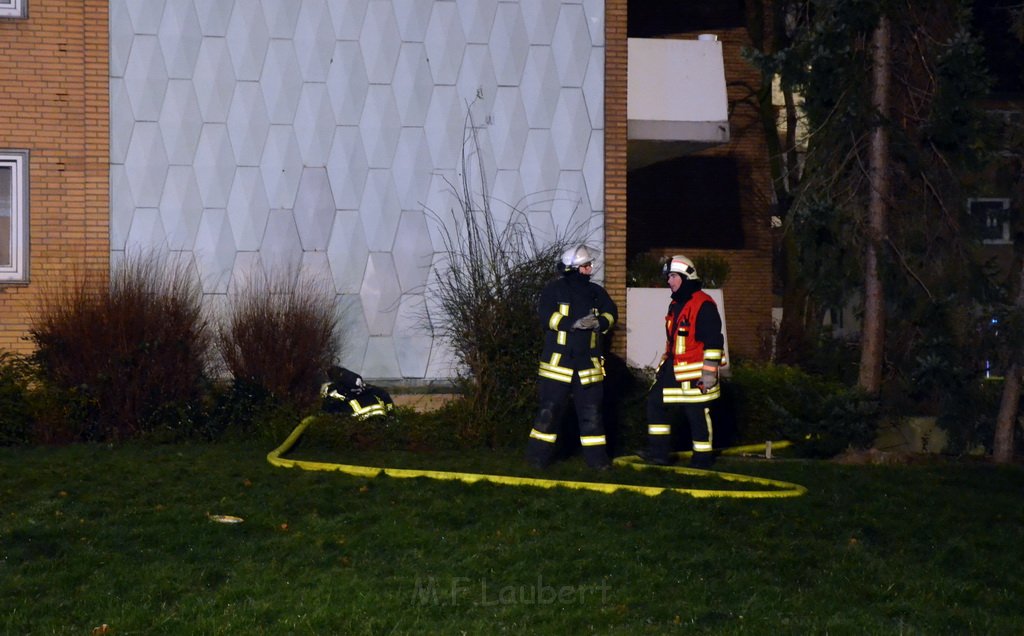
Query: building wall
point(748, 291)
point(325, 136)
point(53, 102)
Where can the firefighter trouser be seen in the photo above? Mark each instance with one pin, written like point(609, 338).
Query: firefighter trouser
point(554, 396)
point(659, 418)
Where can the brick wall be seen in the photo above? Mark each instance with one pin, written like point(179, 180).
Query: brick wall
point(748, 291)
point(54, 88)
point(616, 65)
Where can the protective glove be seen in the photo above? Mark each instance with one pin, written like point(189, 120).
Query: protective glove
point(587, 323)
point(708, 376)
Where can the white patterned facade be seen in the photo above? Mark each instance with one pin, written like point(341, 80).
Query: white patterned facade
point(323, 136)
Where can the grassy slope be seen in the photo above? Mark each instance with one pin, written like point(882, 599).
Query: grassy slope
point(92, 535)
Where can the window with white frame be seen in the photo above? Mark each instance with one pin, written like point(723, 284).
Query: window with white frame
point(13, 216)
point(993, 217)
point(13, 8)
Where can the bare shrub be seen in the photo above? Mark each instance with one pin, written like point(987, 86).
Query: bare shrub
point(487, 288)
point(132, 357)
point(279, 334)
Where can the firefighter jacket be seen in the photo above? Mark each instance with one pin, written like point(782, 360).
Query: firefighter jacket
point(566, 350)
point(361, 403)
point(693, 329)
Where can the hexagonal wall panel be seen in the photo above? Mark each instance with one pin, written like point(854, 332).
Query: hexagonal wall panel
point(347, 252)
point(281, 251)
point(146, 234)
point(593, 169)
point(180, 38)
point(214, 16)
point(380, 42)
point(540, 17)
point(248, 39)
point(413, 251)
point(180, 122)
point(348, 16)
point(380, 126)
point(248, 124)
point(570, 128)
point(354, 332)
point(508, 128)
point(540, 87)
point(445, 42)
point(281, 18)
point(412, 168)
point(347, 167)
point(146, 164)
point(411, 16)
point(314, 124)
point(181, 208)
point(594, 10)
point(412, 86)
point(380, 293)
point(476, 79)
point(540, 162)
point(214, 79)
point(571, 45)
point(121, 207)
point(347, 83)
point(477, 19)
point(445, 127)
point(281, 82)
point(314, 209)
point(145, 15)
point(248, 208)
point(412, 340)
point(214, 251)
point(121, 35)
point(314, 40)
point(593, 88)
point(509, 44)
point(145, 77)
point(121, 120)
point(380, 210)
point(281, 166)
point(214, 165)
point(570, 206)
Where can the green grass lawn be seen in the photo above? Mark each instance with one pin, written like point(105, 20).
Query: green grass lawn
point(93, 535)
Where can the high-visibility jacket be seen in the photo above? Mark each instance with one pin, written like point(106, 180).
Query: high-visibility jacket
point(693, 330)
point(566, 351)
point(363, 403)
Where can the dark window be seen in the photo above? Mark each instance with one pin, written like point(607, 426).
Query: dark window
point(653, 18)
point(691, 201)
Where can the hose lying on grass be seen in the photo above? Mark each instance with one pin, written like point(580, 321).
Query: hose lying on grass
point(784, 489)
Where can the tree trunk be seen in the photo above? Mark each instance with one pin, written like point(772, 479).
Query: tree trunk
point(873, 337)
point(1009, 405)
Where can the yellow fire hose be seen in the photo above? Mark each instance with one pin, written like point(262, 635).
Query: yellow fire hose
point(784, 489)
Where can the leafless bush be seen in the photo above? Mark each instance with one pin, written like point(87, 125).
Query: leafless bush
point(132, 355)
point(280, 335)
point(487, 288)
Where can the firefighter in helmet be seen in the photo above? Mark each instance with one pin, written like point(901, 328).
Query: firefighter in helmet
point(574, 313)
point(688, 374)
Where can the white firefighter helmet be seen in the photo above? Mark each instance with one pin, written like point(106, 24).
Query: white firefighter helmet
point(576, 257)
point(680, 265)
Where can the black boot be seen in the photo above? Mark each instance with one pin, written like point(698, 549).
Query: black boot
point(703, 461)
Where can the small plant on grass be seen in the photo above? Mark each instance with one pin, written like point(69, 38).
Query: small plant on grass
point(15, 406)
point(127, 352)
point(822, 418)
point(279, 335)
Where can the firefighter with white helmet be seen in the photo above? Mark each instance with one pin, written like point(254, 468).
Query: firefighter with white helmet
point(688, 374)
point(575, 313)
